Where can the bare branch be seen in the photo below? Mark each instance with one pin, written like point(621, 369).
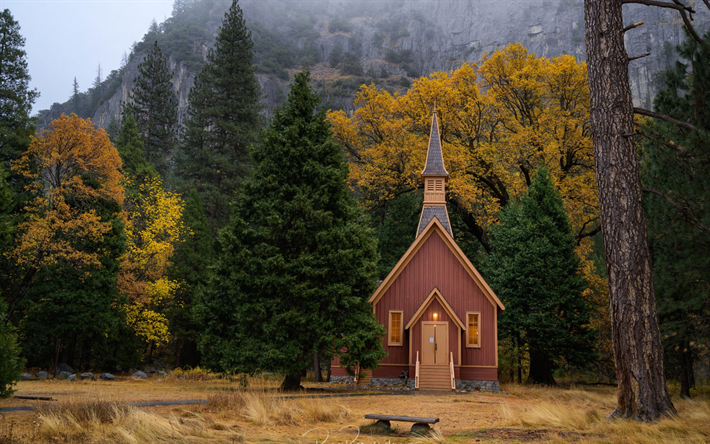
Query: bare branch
point(679, 151)
point(635, 25)
point(685, 210)
point(639, 56)
point(680, 123)
point(582, 234)
point(678, 6)
point(707, 3)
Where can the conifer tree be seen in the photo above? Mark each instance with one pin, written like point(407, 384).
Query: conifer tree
point(153, 105)
point(130, 147)
point(10, 361)
point(222, 119)
point(16, 99)
point(676, 181)
point(534, 269)
point(298, 260)
point(190, 261)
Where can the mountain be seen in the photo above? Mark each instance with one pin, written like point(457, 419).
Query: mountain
point(348, 43)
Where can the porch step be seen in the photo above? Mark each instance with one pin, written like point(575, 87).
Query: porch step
point(434, 377)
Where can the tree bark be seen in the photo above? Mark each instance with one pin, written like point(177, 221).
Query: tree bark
point(642, 391)
point(292, 383)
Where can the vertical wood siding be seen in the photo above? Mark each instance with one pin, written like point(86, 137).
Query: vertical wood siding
point(434, 265)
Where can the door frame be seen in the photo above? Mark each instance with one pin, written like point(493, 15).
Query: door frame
point(448, 346)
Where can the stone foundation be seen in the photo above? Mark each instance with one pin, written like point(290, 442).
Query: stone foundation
point(390, 383)
point(408, 384)
point(342, 379)
point(478, 386)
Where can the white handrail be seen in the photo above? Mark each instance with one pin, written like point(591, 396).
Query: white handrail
point(416, 374)
point(453, 376)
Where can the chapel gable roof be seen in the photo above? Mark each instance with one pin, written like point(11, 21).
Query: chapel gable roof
point(435, 228)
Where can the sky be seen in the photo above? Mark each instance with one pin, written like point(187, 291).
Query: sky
point(70, 38)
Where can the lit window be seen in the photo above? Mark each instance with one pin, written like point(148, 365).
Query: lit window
point(395, 328)
point(473, 329)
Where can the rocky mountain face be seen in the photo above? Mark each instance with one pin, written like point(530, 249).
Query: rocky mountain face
point(410, 38)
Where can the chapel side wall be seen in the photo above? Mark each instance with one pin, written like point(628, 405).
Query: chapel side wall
point(434, 265)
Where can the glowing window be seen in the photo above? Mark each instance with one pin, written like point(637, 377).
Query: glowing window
point(395, 328)
point(473, 329)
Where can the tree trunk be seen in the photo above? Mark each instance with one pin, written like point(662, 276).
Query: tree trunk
point(642, 391)
point(292, 383)
point(318, 376)
point(540, 369)
point(686, 369)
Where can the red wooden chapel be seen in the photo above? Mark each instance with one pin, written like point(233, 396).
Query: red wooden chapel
point(439, 313)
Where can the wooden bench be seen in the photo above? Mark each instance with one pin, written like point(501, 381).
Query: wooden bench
point(421, 425)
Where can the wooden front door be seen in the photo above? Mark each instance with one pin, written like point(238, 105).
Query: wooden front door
point(435, 343)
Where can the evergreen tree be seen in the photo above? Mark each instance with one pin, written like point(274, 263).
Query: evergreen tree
point(297, 261)
point(677, 202)
point(222, 119)
point(16, 98)
point(75, 97)
point(10, 361)
point(153, 105)
point(6, 208)
point(130, 147)
point(190, 261)
point(534, 269)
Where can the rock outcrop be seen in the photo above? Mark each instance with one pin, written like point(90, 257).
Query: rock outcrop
point(412, 38)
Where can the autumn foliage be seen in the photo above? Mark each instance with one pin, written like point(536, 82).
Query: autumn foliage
point(71, 165)
point(499, 122)
point(154, 225)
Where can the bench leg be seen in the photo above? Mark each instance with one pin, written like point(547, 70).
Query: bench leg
point(420, 428)
point(384, 424)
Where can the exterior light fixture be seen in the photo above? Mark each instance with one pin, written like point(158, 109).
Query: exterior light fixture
point(436, 315)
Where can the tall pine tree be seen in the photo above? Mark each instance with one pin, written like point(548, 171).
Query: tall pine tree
point(153, 105)
point(222, 119)
point(298, 260)
point(190, 261)
point(676, 179)
point(16, 99)
point(535, 270)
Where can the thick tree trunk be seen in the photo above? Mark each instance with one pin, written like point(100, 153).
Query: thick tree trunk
point(292, 383)
point(642, 390)
point(540, 369)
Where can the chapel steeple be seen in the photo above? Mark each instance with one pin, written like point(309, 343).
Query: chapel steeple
point(435, 177)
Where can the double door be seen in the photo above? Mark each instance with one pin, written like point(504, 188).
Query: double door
point(435, 343)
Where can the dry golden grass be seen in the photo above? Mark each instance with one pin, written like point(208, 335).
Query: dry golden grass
point(584, 413)
point(258, 413)
point(104, 422)
point(262, 408)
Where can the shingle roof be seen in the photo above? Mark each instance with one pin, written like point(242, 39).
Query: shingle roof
point(434, 211)
point(434, 159)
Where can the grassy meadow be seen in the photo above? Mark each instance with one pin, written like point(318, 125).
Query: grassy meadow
point(250, 410)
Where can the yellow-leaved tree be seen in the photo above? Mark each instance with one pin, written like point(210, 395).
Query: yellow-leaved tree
point(499, 122)
point(154, 225)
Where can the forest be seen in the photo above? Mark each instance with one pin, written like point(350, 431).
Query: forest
point(242, 242)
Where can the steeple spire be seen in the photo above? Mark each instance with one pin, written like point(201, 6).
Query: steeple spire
point(435, 177)
point(434, 165)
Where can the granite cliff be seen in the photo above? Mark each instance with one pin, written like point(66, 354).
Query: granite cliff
point(391, 40)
